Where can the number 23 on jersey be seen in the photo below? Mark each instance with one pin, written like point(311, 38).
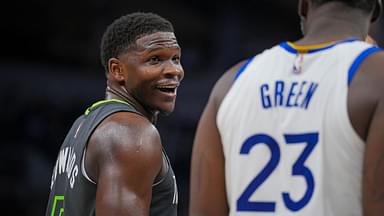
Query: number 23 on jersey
point(298, 169)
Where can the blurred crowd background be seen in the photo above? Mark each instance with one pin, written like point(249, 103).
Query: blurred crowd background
point(51, 72)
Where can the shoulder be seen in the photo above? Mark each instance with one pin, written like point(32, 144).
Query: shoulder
point(371, 73)
point(123, 138)
point(127, 124)
point(224, 83)
point(125, 130)
point(366, 93)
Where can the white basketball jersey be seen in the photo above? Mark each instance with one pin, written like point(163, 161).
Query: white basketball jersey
point(289, 146)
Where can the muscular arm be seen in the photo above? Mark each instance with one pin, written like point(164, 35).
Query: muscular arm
point(366, 106)
point(128, 152)
point(373, 178)
point(208, 193)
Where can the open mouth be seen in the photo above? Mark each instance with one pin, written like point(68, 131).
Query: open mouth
point(167, 88)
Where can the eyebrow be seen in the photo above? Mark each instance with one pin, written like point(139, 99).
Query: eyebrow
point(156, 48)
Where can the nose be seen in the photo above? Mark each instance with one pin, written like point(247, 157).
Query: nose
point(172, 69)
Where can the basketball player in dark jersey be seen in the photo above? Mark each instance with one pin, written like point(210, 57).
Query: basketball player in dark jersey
point(112, 161)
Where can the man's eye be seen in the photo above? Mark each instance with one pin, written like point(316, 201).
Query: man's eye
point(154, 60)
point(176, 59)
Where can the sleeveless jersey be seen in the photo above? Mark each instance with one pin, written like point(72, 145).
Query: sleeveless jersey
point(289, 145)
point(73, 193)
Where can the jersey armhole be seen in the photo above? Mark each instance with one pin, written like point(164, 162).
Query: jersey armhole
point(83, 171)
point(167, 164)
point(359, 60)
point(243, 67)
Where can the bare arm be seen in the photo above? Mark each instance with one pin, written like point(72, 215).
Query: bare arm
point(208, 193)
point(373, 174)
point(128, 152)
point(373, 179)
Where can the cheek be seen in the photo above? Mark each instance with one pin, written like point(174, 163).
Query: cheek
point(142, 82)
point(145, 90)
point(137, 81)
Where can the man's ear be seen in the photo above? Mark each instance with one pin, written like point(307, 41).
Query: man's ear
point(303, 8)
point(115, 69)
point(377, 11)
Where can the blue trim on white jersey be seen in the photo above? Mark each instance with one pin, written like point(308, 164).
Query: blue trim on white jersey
point(286, 46)
point(290, 49)
point(243, 67)
point(355, 65)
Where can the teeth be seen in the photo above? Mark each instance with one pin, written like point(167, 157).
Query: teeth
point(167, 87)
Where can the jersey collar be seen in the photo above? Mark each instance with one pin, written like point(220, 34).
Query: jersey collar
point(293, 48)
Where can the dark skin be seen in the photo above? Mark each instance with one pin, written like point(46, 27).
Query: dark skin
point(124, 154)
point(330, 22)
point(208, 192)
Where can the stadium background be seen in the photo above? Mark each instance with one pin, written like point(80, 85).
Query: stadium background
point(51, 73)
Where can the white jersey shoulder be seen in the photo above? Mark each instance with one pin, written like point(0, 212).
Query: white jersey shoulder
point(289, 146)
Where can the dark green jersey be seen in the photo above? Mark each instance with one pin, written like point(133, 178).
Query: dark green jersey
point(73, 193)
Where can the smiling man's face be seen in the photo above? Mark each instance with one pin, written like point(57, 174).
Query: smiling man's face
point(153, 71)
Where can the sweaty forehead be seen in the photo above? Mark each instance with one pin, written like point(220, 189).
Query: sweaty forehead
point(157, 40)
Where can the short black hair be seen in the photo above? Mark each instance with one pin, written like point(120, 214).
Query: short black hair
point(365, 5)
point(124, 31)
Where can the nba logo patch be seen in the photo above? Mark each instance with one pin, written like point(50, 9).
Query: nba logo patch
point(298, 64)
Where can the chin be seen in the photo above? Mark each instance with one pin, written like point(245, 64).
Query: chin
point(166, 110)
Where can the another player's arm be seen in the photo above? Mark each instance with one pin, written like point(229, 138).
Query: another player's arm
point(128, 152)
point(373, 173)
point(208, 193)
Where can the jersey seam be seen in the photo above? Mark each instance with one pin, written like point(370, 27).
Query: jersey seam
point(83, 170)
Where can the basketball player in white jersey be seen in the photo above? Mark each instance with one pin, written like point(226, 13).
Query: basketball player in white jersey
point(299, 128)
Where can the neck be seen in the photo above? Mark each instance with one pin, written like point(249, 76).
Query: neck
point(117, 92)
point(334, 22)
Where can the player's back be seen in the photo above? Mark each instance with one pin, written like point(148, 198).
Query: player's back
point(288, 142)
